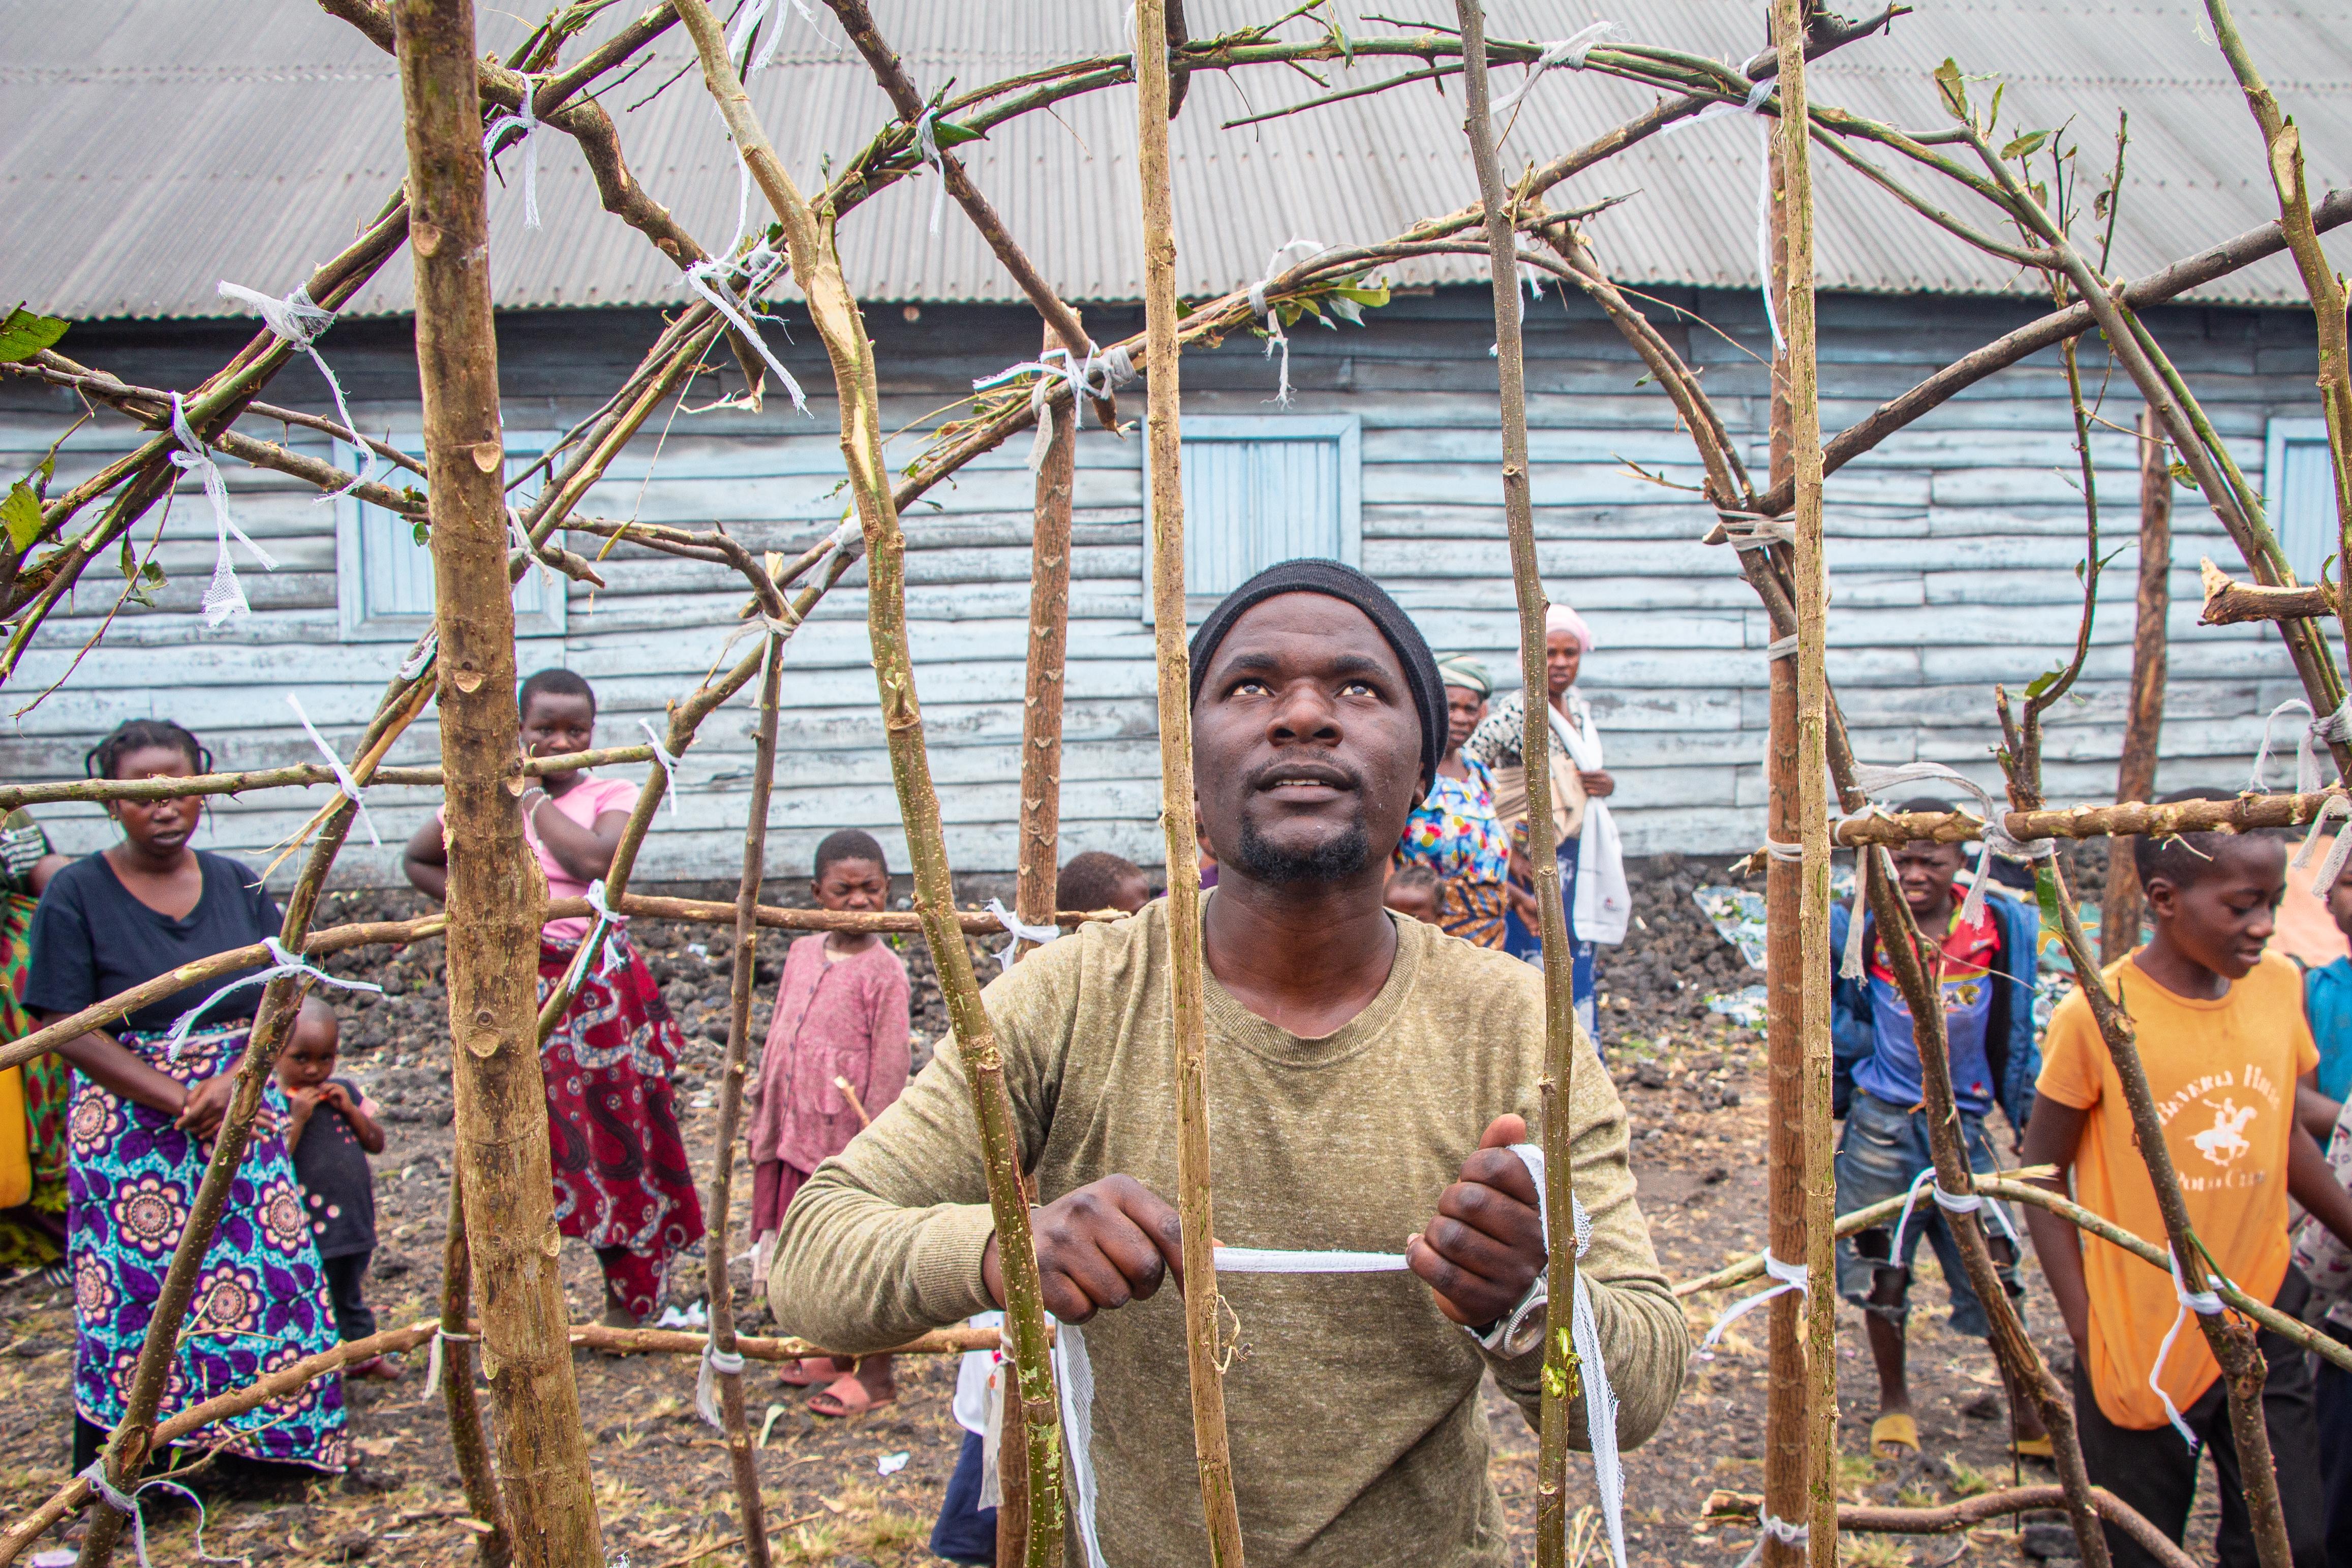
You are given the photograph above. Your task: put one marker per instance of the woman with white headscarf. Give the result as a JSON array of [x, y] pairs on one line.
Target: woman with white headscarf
[[1592, 857]]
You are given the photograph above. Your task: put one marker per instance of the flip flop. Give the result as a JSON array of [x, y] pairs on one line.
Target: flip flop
[[1895, 1430], [2034, 1448], [808, 1372], [849, 1399]]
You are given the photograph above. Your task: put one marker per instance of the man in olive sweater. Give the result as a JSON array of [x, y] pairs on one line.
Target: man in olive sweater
[[1366, 1078]]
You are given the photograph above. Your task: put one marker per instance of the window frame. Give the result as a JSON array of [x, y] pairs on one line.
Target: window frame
[[355, 623], [2277, 433], [1346, 428]]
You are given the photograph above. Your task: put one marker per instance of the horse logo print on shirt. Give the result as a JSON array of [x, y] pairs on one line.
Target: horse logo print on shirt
[[2224, 1142]]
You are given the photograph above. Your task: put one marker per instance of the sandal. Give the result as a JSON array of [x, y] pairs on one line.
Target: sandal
[[809, 1371], [1895, 1430], [849, 1397], [2033, 1448]]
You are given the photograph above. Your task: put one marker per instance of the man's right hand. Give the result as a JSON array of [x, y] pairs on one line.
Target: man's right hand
[[1108, 1243]]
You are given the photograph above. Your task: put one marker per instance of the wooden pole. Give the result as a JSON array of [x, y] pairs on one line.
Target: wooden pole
[[1049, 626], [808, 239], [468, 1444], [1186, 1003], [1562, 1379], [497, 897], [718, 1286], [1813, 955], [2120, 910]]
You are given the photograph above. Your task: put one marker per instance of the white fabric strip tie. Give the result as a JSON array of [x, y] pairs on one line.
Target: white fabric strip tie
[[706, 1393], [708, 279], [1041, 393], [1962, 1203], [525, 117], [609, 922], [1781, 647], [1772, 1527], [344, 779], [1791, 1277], [432, 1358], [1755, 530], [2306, 755], [1875, 780], [127, 1502], [2205, 1304], [1306, 249], [1779, 852], [1021, 932], [284, 962], [927, 140], [1753, 105], [420, 656], [1569, 51], [766, 625], [299, 322], [225, 599], [1853, 964], [1074, 1374], [2333, 866], [669, 764], [848, 538]]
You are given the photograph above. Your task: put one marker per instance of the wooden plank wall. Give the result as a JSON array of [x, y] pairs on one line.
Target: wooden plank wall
[[1953, 556]]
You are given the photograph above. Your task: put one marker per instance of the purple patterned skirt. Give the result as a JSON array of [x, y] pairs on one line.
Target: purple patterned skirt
[[261, 1299]]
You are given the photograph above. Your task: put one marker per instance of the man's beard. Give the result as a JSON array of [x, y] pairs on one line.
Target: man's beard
[[1334, 860]]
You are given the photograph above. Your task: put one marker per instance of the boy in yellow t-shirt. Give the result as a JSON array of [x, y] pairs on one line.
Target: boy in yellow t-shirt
[[2222, 1037]]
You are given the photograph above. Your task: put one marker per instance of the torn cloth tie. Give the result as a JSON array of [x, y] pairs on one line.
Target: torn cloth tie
[[344, 779], [1306, 250], [1770, 1527], [1950, 1203], [518, 539], [1755, 530], [848, 538], [1791, 1277], [609, 922], [2205, 1304], [926, 138], [2306, 754], [1041, 393], [525, 117], [1995, 837], [284, 963], [433, 1357], [127, 1502], [225, 598], [726, 1364], [1758, 93], [1021, 932], [708, 279], [1569, 51], [669, 764], [2333, 866], [300, 323]]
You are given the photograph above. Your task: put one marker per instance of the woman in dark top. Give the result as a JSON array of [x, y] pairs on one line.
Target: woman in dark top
[[144, 1112]]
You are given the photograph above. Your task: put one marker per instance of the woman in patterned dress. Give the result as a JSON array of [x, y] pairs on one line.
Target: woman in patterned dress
[[144, 1112], [623, 1183], [33, 1161], [1455, 831]]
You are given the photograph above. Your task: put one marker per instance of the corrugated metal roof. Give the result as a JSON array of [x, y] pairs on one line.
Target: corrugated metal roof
[[150, 147]]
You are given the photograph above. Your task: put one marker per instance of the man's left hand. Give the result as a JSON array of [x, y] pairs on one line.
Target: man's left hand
[[1486, 1245]]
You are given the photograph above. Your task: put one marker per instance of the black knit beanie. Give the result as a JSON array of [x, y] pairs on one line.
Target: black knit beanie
[[1345, 582]]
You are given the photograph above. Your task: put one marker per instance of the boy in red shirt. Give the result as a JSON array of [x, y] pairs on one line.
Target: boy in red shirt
[[2222, 1037]]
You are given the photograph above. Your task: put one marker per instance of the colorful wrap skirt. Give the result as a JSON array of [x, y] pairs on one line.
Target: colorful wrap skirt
[[261, 1299], [28, 1232], [623, 1182]]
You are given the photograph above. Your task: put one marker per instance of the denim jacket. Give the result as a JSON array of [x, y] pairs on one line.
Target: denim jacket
[[2011, 1049]]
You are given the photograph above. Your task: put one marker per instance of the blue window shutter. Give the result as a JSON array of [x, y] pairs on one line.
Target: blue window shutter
[[384, 576], [1263, 490], [2299, 491]]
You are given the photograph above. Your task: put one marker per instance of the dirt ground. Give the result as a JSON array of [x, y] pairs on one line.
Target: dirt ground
[[1694, 1087]]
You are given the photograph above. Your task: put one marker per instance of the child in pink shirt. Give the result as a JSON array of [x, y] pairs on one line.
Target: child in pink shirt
[[842, 1017], [623, 1182]]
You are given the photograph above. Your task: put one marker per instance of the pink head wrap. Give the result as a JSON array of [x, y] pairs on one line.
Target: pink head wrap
[[1560, 618]]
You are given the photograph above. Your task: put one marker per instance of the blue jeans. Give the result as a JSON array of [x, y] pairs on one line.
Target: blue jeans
[[1521, 941], [1882, 1152], [966, 1532]]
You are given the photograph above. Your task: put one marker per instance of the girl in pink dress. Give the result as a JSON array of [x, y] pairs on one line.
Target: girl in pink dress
[[623, 1183], [840, 1019]]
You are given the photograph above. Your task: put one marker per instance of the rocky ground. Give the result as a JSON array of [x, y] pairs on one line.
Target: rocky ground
[[1694, 1085]]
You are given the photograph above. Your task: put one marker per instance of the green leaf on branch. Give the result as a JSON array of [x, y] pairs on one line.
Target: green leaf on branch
[[947, 133], [2181, 476], [2025, 146], [152, 573], [22, 514], [2043, 682], [1952, 90], [27, 332]]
